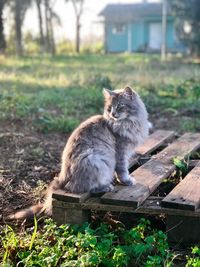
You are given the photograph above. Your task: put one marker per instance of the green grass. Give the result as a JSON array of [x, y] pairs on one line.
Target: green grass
[[55, 94]]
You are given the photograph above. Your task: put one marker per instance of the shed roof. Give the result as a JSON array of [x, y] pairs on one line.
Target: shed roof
[[131, 11]]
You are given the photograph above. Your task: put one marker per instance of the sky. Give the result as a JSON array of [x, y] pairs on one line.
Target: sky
[[91, 25]]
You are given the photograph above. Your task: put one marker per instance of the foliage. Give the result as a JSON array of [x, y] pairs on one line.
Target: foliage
[[83, 246], [181, 167], [72, 245], [194, 259], [187, 13]]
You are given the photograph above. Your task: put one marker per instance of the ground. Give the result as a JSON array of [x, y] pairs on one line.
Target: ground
[[43, 99]]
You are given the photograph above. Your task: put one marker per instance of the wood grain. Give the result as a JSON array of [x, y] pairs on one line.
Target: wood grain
[[186, 195], [152, 206], [70, 197], [152, 173], [156, 140]]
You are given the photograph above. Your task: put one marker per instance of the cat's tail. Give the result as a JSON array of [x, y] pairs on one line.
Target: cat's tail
[[28, 213], [40, 209]]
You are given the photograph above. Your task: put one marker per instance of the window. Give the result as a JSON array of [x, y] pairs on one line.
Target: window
[[118, 28]]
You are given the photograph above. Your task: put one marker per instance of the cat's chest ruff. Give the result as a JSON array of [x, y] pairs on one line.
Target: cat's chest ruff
[[128, 129]]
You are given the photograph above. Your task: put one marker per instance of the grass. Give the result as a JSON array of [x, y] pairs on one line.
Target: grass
[[55, 94]]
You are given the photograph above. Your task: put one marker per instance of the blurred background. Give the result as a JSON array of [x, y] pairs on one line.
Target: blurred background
[[57, 55], [67, 26]]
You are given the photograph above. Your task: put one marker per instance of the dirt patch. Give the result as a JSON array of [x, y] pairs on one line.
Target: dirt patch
[[28, 160]]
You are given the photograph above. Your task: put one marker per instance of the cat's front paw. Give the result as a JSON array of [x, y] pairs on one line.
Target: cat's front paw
[[130, 181], [102, 189], [110, 188]]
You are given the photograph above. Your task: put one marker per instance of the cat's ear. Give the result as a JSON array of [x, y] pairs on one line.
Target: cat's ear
[[107, 93], [129, 93]]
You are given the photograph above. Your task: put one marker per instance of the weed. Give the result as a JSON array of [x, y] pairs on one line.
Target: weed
[[83, 246], [72, 245], [181, 167], [193, 260]]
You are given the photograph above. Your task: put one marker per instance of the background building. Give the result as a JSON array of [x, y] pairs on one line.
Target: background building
[[138, 28]]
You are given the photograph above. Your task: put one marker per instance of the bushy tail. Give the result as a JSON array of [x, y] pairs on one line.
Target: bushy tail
[[39, 209], [27, 213]]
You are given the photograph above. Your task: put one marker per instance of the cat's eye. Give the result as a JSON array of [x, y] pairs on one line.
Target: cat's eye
[[120, 106], [109, 108]]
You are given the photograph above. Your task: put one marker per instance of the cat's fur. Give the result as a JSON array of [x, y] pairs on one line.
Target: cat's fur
[[99, 147]]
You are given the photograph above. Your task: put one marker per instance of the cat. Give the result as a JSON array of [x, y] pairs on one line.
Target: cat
[[100, 147]]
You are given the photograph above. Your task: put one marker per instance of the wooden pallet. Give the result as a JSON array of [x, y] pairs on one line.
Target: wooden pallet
[[155, 160]]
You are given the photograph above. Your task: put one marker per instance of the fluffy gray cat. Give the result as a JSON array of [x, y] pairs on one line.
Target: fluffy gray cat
[[99, 147]]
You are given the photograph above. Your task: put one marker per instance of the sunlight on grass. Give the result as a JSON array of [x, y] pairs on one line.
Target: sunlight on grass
[[54, 90]]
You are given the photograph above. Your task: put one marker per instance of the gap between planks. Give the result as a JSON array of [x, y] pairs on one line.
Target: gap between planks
[[156, 140], [151, 174], [186, 195]]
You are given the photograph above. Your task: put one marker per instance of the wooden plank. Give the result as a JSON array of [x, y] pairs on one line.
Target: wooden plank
[[154, 141], [186, 195], [152, 206], [68, 215], [124, 195], [152, 173], [70, 197]]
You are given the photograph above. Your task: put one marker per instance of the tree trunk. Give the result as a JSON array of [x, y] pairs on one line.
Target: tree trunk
[[40, 23], [47, 37], [2, 37], [52, 40], [78, 9], [78, 34], [18, 28]]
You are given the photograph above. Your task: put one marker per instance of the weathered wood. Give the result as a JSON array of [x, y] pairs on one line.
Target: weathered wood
[[69, 215], [125, 195], [156, 140], [152, 173], [151, 206], [70, 197], [183, 230], [186, 195]]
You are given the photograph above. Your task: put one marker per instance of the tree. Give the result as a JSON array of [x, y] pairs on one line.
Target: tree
[[2, 37], [50, 18], [19, 8], [187, 13], [47, 37], [78, 10], [18, 27], [40, 23]]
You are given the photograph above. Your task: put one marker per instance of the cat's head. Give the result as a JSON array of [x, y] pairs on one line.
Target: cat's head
[[120, 104]]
